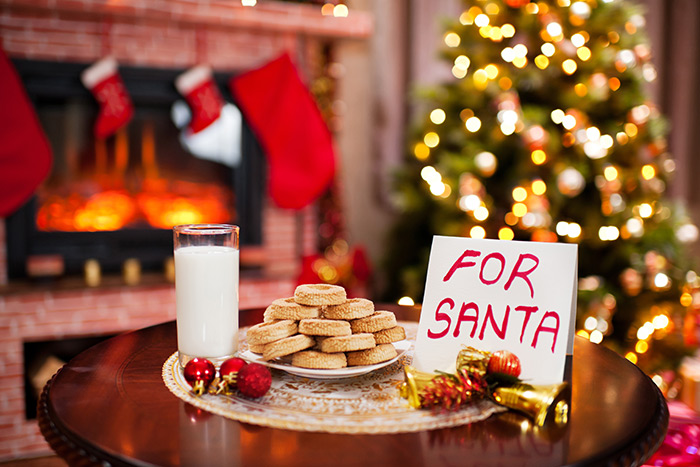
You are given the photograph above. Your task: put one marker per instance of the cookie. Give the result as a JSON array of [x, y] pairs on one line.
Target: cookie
[[324, 327], [256, 348], [376, 322], [287, 308], [347, 343], [387, 336], [270, 331], [319, 294], [287, 346], [352, 309], [378, 354], [319, 360]]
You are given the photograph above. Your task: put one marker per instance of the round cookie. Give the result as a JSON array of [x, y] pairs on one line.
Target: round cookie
[[270, 331], [324, 327], [287, 308], [354, 308], [319, 294], [376, 322], [319, 360], [348, 343], [387, 336], [287, 346], [378, 354]]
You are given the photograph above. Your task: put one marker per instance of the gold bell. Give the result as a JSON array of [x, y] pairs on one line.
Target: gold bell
[[414, 382], [542, 403]]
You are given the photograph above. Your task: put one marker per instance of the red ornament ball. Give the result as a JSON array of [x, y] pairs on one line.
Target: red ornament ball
[[503, 361], [199, 372], [254, 380], [231, 366]]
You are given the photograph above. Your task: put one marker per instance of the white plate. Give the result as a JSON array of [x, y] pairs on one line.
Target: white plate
[[401, 348]]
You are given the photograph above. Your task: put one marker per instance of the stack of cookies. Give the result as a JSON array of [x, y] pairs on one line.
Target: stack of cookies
[[321, 328]]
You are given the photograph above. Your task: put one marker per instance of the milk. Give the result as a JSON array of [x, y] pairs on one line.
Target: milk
[[206, 287]]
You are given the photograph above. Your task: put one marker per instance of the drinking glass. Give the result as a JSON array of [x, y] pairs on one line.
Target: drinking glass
[[206, 291]]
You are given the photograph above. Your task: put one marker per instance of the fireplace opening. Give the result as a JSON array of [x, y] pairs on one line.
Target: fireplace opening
[[118, 198]]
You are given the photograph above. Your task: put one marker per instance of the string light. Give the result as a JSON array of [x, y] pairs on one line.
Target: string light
[[437, 116], [477, 232], [452, 39], [506, 233], [340, 11]]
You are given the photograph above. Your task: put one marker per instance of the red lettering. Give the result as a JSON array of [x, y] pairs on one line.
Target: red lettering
[[463, 317], [528, 311], [554, 330], [462, 263], [497, 256], [440, 316], [523, 274], [489, 317]]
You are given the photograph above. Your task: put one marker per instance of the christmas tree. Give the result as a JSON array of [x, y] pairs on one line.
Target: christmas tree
[[547, 133]]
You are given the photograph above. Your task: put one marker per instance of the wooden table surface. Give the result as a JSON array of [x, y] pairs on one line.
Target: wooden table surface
[[109, 405]]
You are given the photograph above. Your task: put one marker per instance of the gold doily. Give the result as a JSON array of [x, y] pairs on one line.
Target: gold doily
[[363, 404]]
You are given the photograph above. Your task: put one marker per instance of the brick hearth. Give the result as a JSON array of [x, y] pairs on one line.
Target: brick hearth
[[153, 33]]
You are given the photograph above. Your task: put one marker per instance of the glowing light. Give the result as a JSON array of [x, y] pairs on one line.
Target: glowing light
[[632, 357], [581, 9], [635, 227], [431, 139], [554, 29], [481, 213], [462, 61], [340, 11], [438, 189], [557, 116], [645, 332], [473, 124], [581, 89], [661, 280], [469, 202], [421, 151], [568, 122], [506, 233], [614, 84], [519, 193], [480, 78], [430, 175], [541, 62], [606, 141], [508, 30], [582, 333], [660, 321], [548, 49], [486, 162], [520, 50], [596, 337], [327, 9], [538, 157], [641, 347], [491, 71], [459, 72], [520, 62], [437, 116], [406, 301], [608, 233], [686, 299], [507, 128], [610, 173], [590, 324], [249, 2], [631, 129], [645, 210], [507, 54], [578, 40], [539, 187], [569, 66], [477, 232], [568, 229], [584, 53], [648, 172], [452, 39], [481, 20], [519, 209]]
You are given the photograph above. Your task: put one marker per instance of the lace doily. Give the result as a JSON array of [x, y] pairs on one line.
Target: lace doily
[[363, 404]]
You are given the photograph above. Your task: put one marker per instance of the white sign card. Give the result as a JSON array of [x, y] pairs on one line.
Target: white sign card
[[499, 295]]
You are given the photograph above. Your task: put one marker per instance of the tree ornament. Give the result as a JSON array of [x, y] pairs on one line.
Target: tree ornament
[[451, 391], [254, 380], [503, 361], [199, 373], [228, 373]]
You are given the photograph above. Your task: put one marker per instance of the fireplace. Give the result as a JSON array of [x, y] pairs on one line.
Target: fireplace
[[117, 199]]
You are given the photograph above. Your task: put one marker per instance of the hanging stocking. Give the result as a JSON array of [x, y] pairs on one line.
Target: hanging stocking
[[289, 126], [199, 90], [103, 80], [25, 154]]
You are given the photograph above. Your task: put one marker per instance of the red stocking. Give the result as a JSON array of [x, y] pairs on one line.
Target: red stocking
[[202, 95], [289, 126], [25, 155], [103, 80]]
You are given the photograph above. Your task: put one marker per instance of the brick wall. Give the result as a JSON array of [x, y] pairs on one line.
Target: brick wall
[[167, 33]]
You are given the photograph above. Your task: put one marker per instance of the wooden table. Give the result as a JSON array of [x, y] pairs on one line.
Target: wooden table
[[109, 405]]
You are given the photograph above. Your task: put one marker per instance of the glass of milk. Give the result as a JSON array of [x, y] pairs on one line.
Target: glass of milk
[[206, 291]]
